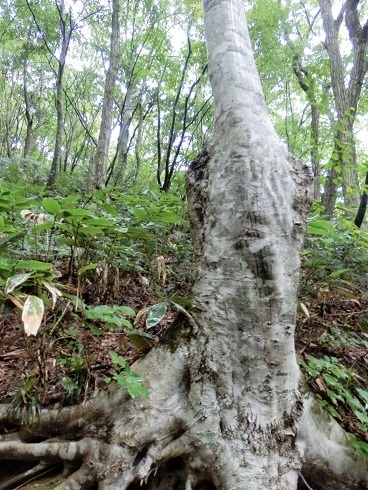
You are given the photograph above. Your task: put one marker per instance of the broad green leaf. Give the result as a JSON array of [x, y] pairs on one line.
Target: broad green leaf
[[116, 359], [51, 205], [77, 212], [135, 232], [2, 223], [70, 199], [140, 214], [89, 231], [110, 209], [100, 195], [183, 310], [44, 226], [184, 302], [156, 314], [7, 264], [35, 265], [166, 217], [15, 281], [127, 310], [32, 314], [99, 222], [321, 227], [67, 241], [95, 330], [132, 382], [338, 272], [87, 267], [361, 416], [12, 238], [364, 395]]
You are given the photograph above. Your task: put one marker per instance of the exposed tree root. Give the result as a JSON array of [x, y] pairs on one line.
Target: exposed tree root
[[37, 471], [329, 459], [184, 437]]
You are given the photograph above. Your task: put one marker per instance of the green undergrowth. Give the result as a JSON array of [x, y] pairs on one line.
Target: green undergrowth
[[64, 257], [333, 322], [108, 270]]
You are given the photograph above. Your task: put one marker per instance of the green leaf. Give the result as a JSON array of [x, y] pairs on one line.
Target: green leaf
[[15, 281], [110, 209], [363, 395], [117, 360], [127, 310], [99, 222], [70, 199], [135, 232], [44, 226], [321, 227], [87, 267], [35, 265], [339, 272], [12, 238], [166, 217], [95, 330], [156, 314], [76, 212], [7, 264], [100, 195], [184, 302], [51, 205], [140, 214], [183, 310], [67, 241], [361, 416], [132, 382]]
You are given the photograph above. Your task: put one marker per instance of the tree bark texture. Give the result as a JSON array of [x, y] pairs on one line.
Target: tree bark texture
[[307, 85], [66, 32], [346, 89], [99, 163], [224, 403]]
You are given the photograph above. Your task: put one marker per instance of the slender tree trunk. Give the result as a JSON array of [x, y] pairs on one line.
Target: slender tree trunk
[[137, 148], [99, 163], [346, 96], [123, 141], [28, 114], [307, 85], [66, 32], [362, 205]]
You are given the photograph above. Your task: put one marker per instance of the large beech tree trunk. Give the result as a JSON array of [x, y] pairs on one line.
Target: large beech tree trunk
[[224, 403]]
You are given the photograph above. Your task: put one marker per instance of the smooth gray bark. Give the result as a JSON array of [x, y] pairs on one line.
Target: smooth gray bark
[[99, 163], [66, 29], [346, 87]]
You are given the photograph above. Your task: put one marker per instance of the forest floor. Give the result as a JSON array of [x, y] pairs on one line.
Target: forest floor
[[68, 361]]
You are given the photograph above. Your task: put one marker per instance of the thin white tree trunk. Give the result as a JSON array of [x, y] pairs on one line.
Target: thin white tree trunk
[[99, 164]]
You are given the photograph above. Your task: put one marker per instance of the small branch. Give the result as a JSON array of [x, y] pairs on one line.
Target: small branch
[[26, 477], [305, 483]]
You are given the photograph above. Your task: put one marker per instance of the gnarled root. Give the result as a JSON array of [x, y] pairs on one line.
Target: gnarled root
[[330, 461], [186, 435]]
